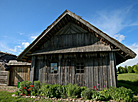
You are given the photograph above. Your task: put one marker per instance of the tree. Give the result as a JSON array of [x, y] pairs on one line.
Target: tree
[[130, 69], [135, 69]]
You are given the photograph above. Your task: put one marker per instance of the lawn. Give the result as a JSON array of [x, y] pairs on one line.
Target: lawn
[[7, 97], [128, 80]]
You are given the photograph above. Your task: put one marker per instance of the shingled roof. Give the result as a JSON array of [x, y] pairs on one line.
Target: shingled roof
[[123, 52]]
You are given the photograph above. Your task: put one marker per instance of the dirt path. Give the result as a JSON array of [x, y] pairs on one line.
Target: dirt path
[[8, 88]]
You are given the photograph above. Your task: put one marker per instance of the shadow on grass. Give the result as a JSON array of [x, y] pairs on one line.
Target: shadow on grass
[[129, 84]]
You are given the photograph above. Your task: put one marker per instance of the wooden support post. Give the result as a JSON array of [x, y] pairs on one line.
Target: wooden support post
[[32, 68], [112, 69]]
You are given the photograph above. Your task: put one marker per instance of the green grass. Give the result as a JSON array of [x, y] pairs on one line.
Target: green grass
[[128, 77], [7, 97], [128, 80]]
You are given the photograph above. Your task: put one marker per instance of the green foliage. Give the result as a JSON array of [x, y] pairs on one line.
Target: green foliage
[[51, 91], [86, 94], [130, 69], [36, 89], [17, 93], [120, 93], [97, 96], [24, 86], [125, 69], [122, 70], [74, 91], [135, 68]]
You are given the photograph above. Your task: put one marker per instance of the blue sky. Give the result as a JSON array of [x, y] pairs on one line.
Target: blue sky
[[21, 21]]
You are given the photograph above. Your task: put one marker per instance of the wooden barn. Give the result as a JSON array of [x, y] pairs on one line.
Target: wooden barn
[[71, 50]]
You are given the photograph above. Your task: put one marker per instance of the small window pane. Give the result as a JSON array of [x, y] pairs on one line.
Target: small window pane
[[53, 67], [80, 68]]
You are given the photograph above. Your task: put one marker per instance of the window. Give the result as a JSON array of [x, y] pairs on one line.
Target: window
[[53, 67], [80, 68]]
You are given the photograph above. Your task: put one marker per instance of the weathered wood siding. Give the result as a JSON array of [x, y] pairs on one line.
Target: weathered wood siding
[[99, 68], [63, 39], [4, 77], [19, 73]]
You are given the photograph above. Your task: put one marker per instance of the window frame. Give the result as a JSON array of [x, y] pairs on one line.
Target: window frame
[[80, 65], [51, 68]]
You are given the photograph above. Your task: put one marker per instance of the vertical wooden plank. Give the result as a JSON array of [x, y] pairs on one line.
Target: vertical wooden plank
[[32, 68], [46, 69], [100, 73], [104, 72], [61, 72], [108, 68], [86, 74], [59, 68], [28, 73], [66, 72], [113, 69], [89, 72], [96, 72], [73, 71]]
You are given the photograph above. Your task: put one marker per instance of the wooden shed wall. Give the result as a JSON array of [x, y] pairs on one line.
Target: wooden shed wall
[[19, 73], [99, 69], [4, 75]]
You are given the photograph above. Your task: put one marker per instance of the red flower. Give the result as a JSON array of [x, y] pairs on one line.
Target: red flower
[[29, 89], [28, 95], [24, 88], [31, 85], [19, 89], [96, 88], [93, 87]]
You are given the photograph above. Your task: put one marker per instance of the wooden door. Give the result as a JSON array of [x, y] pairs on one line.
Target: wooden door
[[19, 74]]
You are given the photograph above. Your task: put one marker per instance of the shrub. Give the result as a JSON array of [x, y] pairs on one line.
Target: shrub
[[35, 89], [74, 91], [87, 94], [97, 96], [52, 90], [120, 93], [25, 87]]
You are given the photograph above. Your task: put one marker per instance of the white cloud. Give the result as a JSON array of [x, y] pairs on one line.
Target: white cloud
[[112, 22], [25, 44], [119, 37], [33, 37], [15, 49]]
